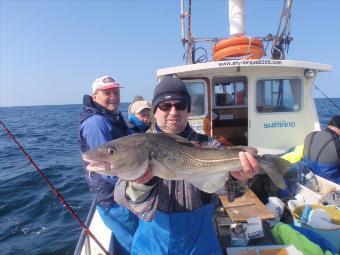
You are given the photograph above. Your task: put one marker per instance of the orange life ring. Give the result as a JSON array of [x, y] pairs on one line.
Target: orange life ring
[[250, 51], [241, 40]]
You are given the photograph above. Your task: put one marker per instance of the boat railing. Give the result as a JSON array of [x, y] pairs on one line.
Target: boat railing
[[84, 240]]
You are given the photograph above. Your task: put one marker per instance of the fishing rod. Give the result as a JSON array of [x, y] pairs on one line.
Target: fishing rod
[[329, 100], [55, 191]]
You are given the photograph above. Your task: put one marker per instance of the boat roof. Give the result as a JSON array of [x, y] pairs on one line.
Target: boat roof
[[213, 66]]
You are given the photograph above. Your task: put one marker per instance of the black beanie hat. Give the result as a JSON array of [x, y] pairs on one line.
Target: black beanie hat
[[170, 88], [335, 121]]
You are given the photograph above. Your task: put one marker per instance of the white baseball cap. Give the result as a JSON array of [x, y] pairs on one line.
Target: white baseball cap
[[138, 106], [105, 82]]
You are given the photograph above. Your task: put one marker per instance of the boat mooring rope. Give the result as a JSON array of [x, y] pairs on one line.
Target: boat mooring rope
[[55, 191], [329, 100]]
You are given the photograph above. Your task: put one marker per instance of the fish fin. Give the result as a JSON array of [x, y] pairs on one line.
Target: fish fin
[[275, 167], [208, 182], [251, 150], [177, 139], [135, 173], [160, 170]]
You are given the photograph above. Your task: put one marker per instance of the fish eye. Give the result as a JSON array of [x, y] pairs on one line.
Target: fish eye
[[111, 150]]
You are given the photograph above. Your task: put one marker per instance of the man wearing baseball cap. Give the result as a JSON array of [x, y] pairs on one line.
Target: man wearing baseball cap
[[322, 151], [101, 121], [140, 117]]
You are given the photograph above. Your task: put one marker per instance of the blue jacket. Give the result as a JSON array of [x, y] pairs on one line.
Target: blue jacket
[[322, 154], [136, 126], [98, 126]]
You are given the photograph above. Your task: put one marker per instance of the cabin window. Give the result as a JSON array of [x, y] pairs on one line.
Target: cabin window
[[278, 95], [196, 90], [231, 93]]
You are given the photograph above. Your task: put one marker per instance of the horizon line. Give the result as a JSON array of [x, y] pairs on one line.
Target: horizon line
[[6, 106]]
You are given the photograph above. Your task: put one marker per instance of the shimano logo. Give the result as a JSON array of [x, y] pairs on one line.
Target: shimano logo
[[279, 124]]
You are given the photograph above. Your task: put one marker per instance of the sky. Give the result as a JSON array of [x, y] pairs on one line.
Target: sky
[[52, 51]]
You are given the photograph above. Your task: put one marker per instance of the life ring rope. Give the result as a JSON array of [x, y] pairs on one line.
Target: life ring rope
[[238, 47]]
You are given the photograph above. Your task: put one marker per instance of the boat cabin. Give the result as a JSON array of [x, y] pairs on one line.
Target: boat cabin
[[267, 104]]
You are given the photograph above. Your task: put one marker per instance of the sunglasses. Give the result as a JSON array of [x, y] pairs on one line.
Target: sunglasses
[[179, 106]]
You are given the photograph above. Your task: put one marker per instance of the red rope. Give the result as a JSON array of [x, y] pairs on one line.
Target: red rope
[[55, 191]]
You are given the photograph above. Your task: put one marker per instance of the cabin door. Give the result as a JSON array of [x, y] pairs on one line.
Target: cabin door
[[230, 110]]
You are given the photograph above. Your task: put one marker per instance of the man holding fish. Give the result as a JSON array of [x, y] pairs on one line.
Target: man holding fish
[[175, 216]]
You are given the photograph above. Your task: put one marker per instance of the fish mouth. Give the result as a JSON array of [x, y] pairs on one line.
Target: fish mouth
[[95, 165]]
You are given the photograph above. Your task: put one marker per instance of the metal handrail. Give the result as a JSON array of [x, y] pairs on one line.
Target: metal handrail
[[83, 237]]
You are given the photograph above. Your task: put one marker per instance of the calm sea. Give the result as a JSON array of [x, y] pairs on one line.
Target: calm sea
[[32, 220]]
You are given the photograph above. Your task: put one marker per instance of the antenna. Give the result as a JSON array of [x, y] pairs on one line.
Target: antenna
[[189, 41], [187, 38], [282, 39]]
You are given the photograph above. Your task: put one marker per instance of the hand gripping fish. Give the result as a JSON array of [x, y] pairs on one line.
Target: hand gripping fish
[[175, 158]]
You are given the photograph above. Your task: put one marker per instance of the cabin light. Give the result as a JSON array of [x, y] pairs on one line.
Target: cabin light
[[309, 74]]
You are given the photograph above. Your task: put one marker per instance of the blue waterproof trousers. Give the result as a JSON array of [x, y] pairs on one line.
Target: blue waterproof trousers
[[184, 233], [123, 225]]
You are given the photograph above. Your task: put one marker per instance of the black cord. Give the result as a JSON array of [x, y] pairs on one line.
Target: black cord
[[329, 100], [203, 58]]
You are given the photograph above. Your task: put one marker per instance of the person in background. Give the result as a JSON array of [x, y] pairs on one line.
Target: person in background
[[135, 99], [101, 121], [176, 217], [140, 117], [321, 153]]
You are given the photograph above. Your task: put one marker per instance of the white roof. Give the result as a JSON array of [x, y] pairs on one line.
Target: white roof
[[258, 63]]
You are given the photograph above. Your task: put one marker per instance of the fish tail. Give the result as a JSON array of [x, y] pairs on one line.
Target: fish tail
[[275, 167]]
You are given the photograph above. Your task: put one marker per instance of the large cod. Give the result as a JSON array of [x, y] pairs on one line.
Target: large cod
[[173, 157]]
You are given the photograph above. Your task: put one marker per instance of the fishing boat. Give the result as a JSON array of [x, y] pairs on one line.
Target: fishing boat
[[246, 100], [239, 96]]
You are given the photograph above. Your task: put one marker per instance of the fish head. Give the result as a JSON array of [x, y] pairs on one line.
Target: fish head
[[126, 157]]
